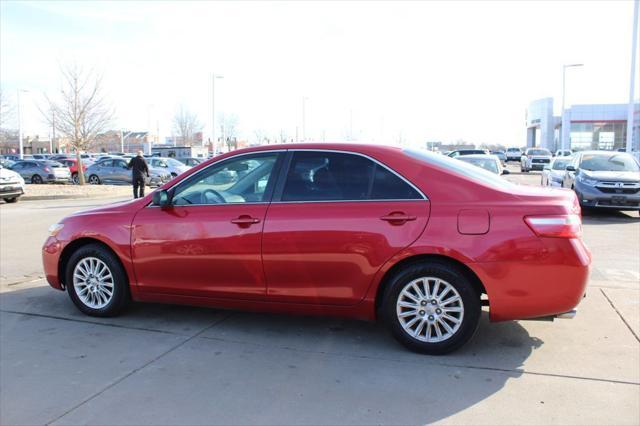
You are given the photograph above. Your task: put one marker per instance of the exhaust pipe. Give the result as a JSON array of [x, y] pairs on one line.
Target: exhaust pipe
[[565, 315]]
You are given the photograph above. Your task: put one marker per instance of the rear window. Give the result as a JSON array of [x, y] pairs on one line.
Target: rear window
[[461, 168]]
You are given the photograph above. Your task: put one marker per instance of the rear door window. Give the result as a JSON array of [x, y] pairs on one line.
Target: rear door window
[[331, 176]]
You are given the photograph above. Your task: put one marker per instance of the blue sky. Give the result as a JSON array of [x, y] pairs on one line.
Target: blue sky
[[414, 71]]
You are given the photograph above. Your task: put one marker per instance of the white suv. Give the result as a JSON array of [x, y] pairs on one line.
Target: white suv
[[535, 159], [513, 154]]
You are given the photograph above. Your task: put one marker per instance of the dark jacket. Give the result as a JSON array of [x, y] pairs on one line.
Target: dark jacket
[[139, 167]]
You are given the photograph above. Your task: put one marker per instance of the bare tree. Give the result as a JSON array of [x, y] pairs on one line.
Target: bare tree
[[186, 125], [6, 116], [229, 129], [80, 112]]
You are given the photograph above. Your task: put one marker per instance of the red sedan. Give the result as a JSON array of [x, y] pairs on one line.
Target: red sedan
[[72, 164], [418, 240]]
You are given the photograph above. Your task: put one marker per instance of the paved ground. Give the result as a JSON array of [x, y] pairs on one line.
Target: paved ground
[[179, 365]]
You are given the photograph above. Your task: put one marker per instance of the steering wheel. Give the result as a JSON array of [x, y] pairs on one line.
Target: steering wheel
[[209, 195]]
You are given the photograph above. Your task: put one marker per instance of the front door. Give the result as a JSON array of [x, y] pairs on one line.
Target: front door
[[208, 241], [335, 220]]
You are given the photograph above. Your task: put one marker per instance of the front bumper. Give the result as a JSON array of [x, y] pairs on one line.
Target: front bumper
[[51, 251], [590, 196], [11, 190]]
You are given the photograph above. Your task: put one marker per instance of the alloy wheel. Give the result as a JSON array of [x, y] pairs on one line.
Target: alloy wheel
[[430, 309], [93, 282]]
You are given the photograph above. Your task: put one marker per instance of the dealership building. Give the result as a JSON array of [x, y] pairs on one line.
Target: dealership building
[[582, 126]]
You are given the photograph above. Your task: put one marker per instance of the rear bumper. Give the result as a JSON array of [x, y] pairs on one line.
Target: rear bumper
[[549, 286]]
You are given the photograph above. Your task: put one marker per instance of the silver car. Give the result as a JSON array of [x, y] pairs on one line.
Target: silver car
[[171, 165], [489, 162], [48, 171], [553, 174], [116, 171]]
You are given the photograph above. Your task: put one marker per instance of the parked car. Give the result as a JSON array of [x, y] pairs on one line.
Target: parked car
[[513, 154], [501, 155], [553, 174], [72, 164], [40, 156], [605, 179], [535, 159], [115, 171], [459, 152], [190, 161], [11, 185], [490, 163], [171, 165], [11, 157], [563, 153], [6, 163], [48, 171], [354, 230]]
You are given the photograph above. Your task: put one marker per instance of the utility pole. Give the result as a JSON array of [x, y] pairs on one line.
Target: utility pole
[[565, 131], [53, 131], [20, 128], [304, 119], [632, 82], [213, 113]]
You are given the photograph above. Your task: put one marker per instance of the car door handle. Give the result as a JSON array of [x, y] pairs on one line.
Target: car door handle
[[245, 220], [398, 218]]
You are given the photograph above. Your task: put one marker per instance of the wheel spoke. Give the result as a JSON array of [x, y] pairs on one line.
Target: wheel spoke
[[445, 325], [420, 327], [408, 313], [452, 319], [436, 287], [408, 295], [450, 300]]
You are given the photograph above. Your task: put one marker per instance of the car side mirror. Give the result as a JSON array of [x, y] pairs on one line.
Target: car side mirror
[[505, 172], [161, 198], [570, 169]]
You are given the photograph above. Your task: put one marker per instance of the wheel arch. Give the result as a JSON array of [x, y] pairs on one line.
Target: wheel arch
[[76, 244], [424, 258]]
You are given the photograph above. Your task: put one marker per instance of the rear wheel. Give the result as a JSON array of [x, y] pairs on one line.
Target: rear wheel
[[36, 179], [431, 308], [11, 200], [74, 178], [96, 282]]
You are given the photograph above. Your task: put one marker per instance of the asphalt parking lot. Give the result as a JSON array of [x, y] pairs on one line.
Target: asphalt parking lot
[[180, 365]]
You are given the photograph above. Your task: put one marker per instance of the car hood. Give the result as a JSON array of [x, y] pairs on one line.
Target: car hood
[[609, 175], [6, 174], [118, 207]]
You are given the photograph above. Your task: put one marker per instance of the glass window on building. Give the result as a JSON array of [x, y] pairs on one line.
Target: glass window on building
[[604, 135]]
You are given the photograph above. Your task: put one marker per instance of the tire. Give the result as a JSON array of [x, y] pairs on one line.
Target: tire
[[89, 262], [94, 180], [75, 179], [36, 179], [429, 316], [11, 200]]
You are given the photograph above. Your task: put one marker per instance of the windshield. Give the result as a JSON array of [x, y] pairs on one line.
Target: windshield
[[613, 162], [539, 152], [461, 168], [173, 162], [561, 163], [485, 163]]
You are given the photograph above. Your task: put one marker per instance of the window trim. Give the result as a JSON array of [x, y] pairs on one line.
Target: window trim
[[270, 191], [277, 194]]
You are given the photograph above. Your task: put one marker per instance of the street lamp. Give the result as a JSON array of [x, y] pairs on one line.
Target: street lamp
[[564, 72], [213, 112], [20, 124]]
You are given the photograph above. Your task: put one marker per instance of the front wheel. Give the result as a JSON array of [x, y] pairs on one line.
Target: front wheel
[[94, 180], [431, 308], [96, 282], [11, 200]]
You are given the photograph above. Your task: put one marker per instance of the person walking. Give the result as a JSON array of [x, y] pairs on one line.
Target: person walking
[[140, 170]]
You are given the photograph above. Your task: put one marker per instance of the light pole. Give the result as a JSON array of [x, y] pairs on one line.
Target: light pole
[[564, 78], [304, 118], [632, 82], [213, 113], [21, 144]]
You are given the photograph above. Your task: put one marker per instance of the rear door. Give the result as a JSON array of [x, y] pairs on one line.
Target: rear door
[[336, 218]]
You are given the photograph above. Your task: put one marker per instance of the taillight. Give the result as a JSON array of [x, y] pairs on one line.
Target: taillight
[[47, 169], [560, 226]]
